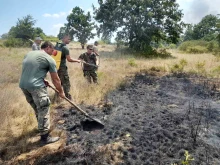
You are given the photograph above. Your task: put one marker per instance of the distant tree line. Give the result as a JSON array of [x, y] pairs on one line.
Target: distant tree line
[[24, 31], [140, 25], [202, 37]]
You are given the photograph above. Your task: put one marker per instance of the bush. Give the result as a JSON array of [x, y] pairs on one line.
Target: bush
[[200, 66], [199, 46], [216, 51], [178, 68], [131, 62], [197, 50], [172, 46], [190, 44], [212, 45], [156, 53], [16, 42], [216, 70]]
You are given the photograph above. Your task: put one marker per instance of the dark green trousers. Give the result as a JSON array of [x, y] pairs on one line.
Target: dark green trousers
[[90, 75], [65, 82]]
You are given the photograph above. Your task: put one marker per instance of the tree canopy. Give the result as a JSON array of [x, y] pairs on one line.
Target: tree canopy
[[140, 23], [25, 29], [79, 26], [205, 29]]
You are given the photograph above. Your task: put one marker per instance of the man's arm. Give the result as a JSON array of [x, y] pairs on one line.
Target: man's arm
[[57, 83], [66, 52], [71, 60]]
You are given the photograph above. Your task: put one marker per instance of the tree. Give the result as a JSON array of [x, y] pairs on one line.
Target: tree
[[140, 23], [63, 31], [188, 35], [218, 30], [24, 28], [39, 32], [206, 28], [4, 36], [80, 25]]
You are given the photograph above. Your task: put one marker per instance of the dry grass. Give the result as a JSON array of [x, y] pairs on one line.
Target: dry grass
[[18, 123]]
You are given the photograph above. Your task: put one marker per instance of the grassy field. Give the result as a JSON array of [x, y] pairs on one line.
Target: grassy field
[[17, 118]]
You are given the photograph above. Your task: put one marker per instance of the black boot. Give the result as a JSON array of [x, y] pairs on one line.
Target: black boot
[[46, 139]]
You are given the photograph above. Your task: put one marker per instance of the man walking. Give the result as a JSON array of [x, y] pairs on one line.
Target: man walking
[[63, 70], [35, 66]]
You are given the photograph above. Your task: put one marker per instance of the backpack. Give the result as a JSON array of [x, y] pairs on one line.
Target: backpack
[[57, 54]]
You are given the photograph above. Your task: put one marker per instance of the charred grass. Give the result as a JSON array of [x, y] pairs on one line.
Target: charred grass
[[18, 124]]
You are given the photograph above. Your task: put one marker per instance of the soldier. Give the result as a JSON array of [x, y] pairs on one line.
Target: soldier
[[36, 44], [35, 66], [89, 70], [63, 70], [95, 48]]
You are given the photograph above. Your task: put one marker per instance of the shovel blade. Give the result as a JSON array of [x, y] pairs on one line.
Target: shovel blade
[[92, 125]]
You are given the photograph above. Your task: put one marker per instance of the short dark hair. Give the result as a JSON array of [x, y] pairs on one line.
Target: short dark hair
[[96, 42], [66, 35], [47, 44], [89, 47]]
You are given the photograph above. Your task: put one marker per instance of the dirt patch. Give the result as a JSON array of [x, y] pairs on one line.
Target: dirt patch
[[151, 120]]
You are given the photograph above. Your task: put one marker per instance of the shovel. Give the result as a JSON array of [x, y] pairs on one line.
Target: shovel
[[96, 66], [97, 122]]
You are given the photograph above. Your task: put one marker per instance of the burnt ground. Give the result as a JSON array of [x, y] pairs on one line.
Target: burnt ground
[[148, 120]]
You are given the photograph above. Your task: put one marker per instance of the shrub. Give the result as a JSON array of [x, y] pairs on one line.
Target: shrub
[[216, 51], [216, 70], [16, 42], [178, 68], [197, 50], [191, 44], [157, 69], [156, 53], [212, 45], [131, 62], [172, 46], [200, 66]]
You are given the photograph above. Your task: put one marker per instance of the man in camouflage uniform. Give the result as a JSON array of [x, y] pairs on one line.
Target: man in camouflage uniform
[[89, 70], [35, 66], [95, 48], [96, 51], [36, 44], [63, 70]]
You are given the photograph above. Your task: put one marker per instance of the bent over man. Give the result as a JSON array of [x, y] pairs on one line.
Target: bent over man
[[35, 66]]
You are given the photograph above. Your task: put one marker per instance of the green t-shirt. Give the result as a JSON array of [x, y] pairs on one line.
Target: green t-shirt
[[35, 67], [65, 52]]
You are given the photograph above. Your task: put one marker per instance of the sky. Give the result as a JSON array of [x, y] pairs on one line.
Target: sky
[[50, 15]]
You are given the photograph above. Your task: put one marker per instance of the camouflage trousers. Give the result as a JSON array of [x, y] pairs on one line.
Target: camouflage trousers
[[40, 102], [90, 75], [65, 82]]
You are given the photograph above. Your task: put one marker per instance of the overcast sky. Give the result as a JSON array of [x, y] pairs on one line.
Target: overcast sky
[[51, 14], [195, 10]]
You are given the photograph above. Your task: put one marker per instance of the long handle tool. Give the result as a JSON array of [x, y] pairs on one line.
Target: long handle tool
[[79, 109], [96, 66]]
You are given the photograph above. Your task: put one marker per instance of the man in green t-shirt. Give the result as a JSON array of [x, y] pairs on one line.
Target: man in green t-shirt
[[35, 66], [63, 70], [89, 70]]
